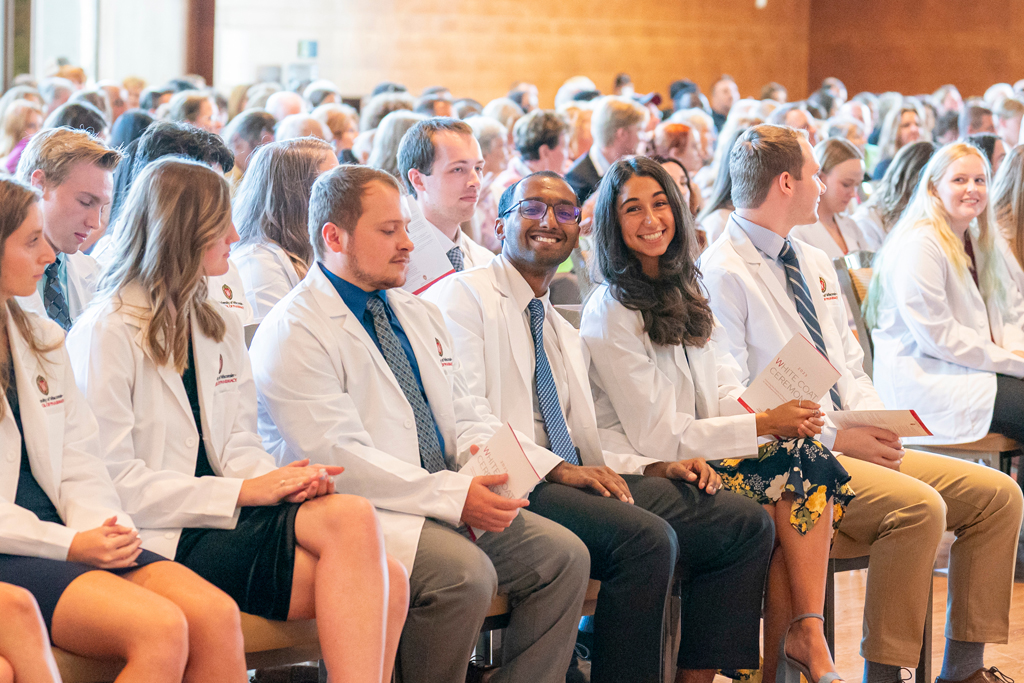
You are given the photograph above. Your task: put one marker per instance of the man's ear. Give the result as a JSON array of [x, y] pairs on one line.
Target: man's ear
[[38, 178], [416, 180], [499, 229], [335, 238], [786, 183]]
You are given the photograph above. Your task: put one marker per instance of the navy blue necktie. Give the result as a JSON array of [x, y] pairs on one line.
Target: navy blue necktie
[[547, 395], [54, 303], [455, 256], [431, 456], [805, 307]]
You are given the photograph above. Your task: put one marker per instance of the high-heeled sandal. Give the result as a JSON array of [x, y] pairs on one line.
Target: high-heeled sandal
[[789, 669]]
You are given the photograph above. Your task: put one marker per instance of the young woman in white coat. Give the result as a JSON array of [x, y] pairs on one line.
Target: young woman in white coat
[[176, 406], [662, 391], [947, 324], [1008, 207], [64, 535], [270, 210], [842, 171]]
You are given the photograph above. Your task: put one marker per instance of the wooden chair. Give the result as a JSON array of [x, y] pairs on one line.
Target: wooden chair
[[997, 450]]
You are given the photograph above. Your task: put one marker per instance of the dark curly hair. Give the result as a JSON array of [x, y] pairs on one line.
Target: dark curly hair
[[674, 309]]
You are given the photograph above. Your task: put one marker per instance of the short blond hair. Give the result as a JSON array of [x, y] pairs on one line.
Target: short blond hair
[[612, 114], [56, 150]]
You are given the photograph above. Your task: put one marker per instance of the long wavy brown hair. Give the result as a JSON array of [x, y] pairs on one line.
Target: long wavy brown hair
[[16, 199], [175, 211], [674, 309]]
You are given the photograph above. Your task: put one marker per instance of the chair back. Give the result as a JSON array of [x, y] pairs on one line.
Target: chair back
[[250, 332], [854, 272]]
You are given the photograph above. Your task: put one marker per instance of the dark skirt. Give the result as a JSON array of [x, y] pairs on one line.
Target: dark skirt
[[252, 563], [47, 579]]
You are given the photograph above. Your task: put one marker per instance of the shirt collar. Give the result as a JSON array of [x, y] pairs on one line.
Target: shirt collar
[[443, 239], [354, 297], [600, 163], [767, 242], [522, 293]]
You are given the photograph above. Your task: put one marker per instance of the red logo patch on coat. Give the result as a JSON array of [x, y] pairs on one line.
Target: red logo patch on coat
[[227, 291], [44, 386], [440, 351], [822, 281]]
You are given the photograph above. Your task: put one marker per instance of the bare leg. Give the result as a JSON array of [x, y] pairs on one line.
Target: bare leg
[[216, 652], [104, 616], [806, 564], [24, 645], [341, 577], [778, 610], [398, 608], [695, 675]]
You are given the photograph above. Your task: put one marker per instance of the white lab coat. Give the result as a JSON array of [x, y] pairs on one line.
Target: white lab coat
[[869, 220], [62, 444], [267, 275], [665, 402], [934, 349], [148, 436], [83, 278], [817, 235], [713, 225], [759, 316], [226, 290], [326, 392], [1013, 267], [481, 315]]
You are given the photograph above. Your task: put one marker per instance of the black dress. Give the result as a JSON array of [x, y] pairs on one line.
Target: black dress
[[253, 562], [45, 579]]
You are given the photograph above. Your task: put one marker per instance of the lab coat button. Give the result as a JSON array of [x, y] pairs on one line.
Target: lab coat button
[[190, 442], [169, 534], [408, 424]]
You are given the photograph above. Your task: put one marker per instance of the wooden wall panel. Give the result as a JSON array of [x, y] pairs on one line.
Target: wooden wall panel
[[479, 47], [914, 46]]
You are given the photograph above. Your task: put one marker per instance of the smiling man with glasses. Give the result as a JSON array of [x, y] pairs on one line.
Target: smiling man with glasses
[[527, 361]]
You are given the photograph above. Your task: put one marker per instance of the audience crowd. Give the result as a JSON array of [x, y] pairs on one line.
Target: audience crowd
[[219, 397]]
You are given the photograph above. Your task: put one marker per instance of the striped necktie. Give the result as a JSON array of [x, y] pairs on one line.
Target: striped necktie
[[805, 307], [455, 256], [431, 456], [547, 395], [54, 303]]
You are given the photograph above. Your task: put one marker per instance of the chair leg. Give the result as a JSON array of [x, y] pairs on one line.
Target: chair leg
[[830, 608], [923, 673]]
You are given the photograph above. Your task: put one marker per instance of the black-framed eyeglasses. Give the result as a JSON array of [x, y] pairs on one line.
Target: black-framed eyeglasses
[[535, 210]]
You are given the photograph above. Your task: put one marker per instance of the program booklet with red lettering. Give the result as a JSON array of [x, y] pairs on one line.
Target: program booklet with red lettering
[[799, 371], [503, 454]]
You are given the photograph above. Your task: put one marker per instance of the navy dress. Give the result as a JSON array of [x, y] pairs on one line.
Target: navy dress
[[46, 579], [253, 562]]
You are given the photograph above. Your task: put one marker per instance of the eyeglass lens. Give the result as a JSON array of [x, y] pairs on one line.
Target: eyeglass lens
[[536, 210]]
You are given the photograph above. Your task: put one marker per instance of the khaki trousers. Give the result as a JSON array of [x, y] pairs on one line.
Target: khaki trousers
[[899, 518]]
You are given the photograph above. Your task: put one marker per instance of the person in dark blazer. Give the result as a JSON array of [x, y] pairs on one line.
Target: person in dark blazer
[[616, 127]]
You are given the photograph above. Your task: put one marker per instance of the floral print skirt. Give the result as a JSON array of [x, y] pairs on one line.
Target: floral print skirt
[[801, 467]]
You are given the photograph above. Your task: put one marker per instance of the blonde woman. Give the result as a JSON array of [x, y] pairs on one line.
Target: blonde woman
[[901, 126], [1008, 207], [270, 211], [170, 377], [21, 121], [842, 170], [64, 534], [948, 329]]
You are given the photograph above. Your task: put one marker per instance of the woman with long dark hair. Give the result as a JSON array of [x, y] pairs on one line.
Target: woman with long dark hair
[[662, 390]]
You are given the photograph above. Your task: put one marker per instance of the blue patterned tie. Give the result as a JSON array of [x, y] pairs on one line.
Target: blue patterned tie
[[455, 256], [54, 303], [431, 456], [547, 395], [805, 307]]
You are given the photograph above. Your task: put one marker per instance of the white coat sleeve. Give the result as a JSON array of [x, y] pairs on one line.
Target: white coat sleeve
[[303, 390], [644, 398], [264, 280], [918, 285], [103, 358]]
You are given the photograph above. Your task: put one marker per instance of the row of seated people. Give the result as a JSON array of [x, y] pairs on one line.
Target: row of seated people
[[153, 437]]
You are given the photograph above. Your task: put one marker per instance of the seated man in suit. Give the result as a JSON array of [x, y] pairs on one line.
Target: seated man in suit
[[351, 367], [442, 167], [764, 289], [75, 172], [527, 362], [616, 126]]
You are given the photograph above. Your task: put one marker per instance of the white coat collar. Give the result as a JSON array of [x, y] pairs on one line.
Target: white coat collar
[[748, 252]]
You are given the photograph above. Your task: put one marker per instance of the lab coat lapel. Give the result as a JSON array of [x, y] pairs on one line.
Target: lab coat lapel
[[40, 400], [761, 270], [209, 365], [520, 340]]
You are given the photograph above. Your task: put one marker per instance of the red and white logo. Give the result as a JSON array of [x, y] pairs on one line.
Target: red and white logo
[[820, 279], [440, 351], [228, 293], [43, 385]]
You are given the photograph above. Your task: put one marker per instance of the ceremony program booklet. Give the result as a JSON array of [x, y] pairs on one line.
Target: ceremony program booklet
[[900, 422], [799, 371], [502, 454], [428, 261]]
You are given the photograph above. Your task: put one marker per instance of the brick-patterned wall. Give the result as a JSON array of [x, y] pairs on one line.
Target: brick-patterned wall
[[479, 47]]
